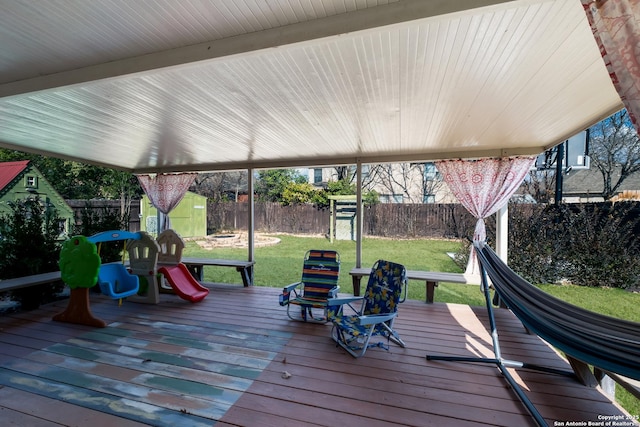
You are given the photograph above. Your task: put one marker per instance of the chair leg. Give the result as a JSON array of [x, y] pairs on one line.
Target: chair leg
[[306, 314], [394, 336], [355, 346], [340, 338]]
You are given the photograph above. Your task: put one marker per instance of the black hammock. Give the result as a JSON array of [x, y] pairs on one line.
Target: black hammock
[[608, 343]]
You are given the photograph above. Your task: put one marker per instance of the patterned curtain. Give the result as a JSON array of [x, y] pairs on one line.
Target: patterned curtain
[[483, 187], [616, 29], [165, 192]]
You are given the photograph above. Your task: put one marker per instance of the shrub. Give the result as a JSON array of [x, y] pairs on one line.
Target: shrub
[[30, 244], [587, 245], [602, 247], [90, 220], [535, 236]]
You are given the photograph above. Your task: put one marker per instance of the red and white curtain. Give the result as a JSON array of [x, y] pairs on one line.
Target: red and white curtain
[[165, 192], [616, 28], [484, 186]]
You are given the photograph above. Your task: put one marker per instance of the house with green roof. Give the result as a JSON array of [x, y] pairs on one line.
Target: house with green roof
[[22, 180]]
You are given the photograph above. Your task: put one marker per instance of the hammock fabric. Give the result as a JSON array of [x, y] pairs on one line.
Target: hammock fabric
[[605, 342]]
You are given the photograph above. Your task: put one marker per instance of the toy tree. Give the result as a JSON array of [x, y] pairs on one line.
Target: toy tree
[[79, 265]]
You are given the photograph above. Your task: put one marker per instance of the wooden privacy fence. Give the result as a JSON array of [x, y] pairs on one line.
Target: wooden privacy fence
[[385, 220]]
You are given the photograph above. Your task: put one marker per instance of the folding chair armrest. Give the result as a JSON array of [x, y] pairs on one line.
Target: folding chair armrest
[[291, 287], [343, 300], [372, 319], [286, 293], [333, 293]]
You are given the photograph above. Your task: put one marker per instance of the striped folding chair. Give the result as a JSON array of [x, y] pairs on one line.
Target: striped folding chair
[[319, 282]]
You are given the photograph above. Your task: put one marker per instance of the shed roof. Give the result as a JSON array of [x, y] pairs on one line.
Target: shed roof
[[204, 85]]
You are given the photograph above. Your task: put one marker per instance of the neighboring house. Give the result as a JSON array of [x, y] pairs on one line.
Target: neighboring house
[[395, 183], [22, 180], [585, 185]]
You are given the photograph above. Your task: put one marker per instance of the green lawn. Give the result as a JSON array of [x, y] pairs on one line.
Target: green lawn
[[281, 264]]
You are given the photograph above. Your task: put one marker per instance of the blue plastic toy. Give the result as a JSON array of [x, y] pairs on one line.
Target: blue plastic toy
[[115, 280]]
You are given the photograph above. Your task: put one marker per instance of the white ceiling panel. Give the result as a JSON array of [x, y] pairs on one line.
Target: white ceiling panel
[[168, 85]]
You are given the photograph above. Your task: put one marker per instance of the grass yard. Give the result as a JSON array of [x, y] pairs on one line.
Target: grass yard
[[281, 264]]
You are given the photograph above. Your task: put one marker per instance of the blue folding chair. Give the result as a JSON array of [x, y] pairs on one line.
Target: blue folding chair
[[378, 308]]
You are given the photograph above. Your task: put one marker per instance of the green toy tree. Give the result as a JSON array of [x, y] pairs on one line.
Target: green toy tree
[[79, 265]]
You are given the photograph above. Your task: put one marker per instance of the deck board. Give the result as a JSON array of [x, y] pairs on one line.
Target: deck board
[[222, 360]]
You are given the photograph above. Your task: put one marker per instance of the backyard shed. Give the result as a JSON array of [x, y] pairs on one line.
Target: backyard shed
[[188, 219]]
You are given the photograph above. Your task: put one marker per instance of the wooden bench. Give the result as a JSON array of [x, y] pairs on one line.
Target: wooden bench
[[26, 281], [34, 279], [196, 267], [431, 279]]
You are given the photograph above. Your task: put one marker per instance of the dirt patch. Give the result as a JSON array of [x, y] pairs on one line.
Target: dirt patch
[[234, 240]]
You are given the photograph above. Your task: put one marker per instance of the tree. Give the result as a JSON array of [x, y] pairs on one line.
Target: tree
[[298, 193], [220, 185], [406, 178], [345, 173], [540, 184], [75, 180], [124, 186], [270, 184], [614, 149]]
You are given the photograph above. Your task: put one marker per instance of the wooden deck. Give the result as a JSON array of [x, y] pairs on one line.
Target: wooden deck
[[222, 361]]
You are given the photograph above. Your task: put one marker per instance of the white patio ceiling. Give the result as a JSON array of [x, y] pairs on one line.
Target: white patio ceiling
[[200, 85]]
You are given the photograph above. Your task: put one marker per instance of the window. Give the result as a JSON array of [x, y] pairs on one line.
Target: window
[[430, 172], [429, 198], [62, 227], [32, 181], [391, 198], [365, 171], [317, 176]]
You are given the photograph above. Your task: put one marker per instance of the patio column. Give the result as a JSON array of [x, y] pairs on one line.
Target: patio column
[[250, 220], [358, 214]]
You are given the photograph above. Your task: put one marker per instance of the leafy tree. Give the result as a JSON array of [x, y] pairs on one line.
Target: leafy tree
[[271, 184], [298, 193], [90, 221], [614, 149], [75, 180], [124, 186], [342, 188]]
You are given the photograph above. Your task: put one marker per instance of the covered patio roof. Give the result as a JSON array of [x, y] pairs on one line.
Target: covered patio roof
[[205, 85]]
